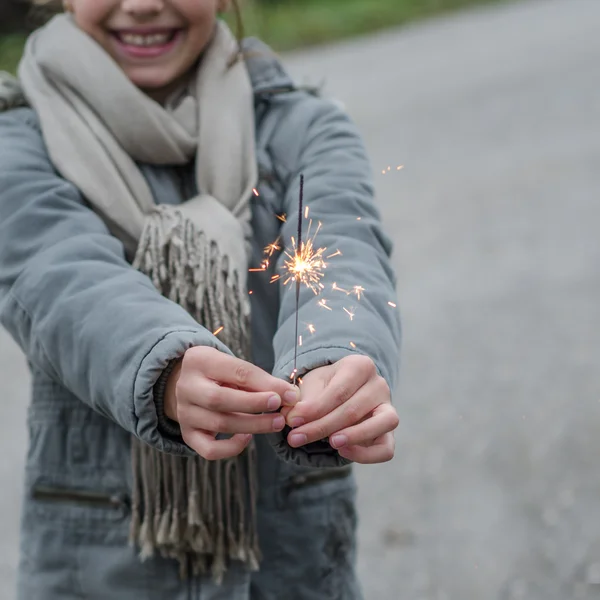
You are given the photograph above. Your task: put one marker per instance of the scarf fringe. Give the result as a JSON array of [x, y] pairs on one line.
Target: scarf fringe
[[201, 513]]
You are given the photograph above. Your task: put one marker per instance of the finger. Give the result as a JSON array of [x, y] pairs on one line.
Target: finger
[[218, 422], [352, 374], [381, 451], [211, 396], [384, 420], [342, 417], [206, 446], [235, 372]]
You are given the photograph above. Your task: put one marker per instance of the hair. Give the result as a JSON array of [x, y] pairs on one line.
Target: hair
[[44, 10]]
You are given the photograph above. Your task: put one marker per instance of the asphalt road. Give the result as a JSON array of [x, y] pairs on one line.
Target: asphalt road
[[495, 493]]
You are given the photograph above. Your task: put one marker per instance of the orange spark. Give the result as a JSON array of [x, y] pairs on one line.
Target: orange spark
[[353, 344], [255, 192], [311, 328], [323, 304], [306, 212], [273, 247], [336, 288], [282, 217], [299, 340], [305, 264], [349, 313], [336, 253], [218, 331], [358, 290]]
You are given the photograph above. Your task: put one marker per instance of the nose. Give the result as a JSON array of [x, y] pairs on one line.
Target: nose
[[142, 8]]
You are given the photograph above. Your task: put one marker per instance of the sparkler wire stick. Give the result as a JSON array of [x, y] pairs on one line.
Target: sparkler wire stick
[[299, 249]]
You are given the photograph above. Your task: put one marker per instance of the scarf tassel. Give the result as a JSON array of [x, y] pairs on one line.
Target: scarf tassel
[[201, 513]]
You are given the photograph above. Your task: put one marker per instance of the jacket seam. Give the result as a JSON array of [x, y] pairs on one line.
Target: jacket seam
[[33, 337]]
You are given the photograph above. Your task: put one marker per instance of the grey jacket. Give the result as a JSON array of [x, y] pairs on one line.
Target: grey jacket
[[98, 336]]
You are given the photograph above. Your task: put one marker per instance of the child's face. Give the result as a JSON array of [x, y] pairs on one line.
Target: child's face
[[155, 42]]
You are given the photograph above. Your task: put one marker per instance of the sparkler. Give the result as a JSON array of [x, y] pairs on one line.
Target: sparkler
[[298, 271], [304, 264]]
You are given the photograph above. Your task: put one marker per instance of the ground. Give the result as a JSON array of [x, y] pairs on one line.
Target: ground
[[494, 492]]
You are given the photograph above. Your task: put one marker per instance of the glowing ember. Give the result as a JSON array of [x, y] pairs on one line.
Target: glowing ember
[[357, 290], [323, 304], [218, 331], [255, 192], [353, 344], [336, 288], [282, 217], [305, 264], [272, 248]]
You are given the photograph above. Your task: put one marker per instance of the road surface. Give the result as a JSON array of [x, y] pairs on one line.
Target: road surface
[[495, 493]]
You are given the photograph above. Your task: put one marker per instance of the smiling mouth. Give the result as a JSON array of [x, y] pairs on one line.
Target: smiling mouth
[[146, 40]]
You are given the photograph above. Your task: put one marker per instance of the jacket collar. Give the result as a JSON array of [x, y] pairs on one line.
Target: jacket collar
[[265, 69]]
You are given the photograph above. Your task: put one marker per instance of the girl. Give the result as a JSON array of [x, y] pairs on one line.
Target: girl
[[152, 165]]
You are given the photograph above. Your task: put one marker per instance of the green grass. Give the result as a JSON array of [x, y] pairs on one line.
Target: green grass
[[290, 24], [11, 47], [293, 24]]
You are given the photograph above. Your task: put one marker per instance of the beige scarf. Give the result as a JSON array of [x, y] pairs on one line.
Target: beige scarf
[[96, 125]]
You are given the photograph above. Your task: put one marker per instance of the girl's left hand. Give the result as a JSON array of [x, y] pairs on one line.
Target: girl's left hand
[[349, 403]]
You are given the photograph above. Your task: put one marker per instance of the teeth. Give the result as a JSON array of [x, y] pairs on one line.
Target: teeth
[[156, 39]]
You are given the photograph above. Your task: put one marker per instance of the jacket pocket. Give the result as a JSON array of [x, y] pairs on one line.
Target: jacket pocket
[[304, 486], [302, 480], [82, 498]]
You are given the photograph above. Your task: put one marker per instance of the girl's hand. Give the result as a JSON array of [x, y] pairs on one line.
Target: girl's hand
[[349, 403], [210, 392]]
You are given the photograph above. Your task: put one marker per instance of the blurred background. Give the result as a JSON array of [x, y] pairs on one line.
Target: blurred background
[[492, 114]]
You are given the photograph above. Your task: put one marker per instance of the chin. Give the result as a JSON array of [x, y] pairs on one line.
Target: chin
[[152, 80]]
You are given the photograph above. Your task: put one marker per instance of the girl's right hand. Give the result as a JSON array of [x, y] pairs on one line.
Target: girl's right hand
[[210, 392]]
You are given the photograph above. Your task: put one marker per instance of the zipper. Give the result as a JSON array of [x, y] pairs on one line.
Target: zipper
[[95, 499], [314, 477]]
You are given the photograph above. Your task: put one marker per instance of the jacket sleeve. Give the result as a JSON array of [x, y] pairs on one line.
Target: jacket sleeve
[[338, 193], [70, 299]]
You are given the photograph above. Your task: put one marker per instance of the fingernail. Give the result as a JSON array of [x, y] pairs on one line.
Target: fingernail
[[278, 423], [291, 397], [297, 422], [274, 402], [337, 441], [297, 439]]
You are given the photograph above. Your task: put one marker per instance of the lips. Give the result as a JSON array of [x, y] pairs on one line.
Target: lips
[[146, 43]]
